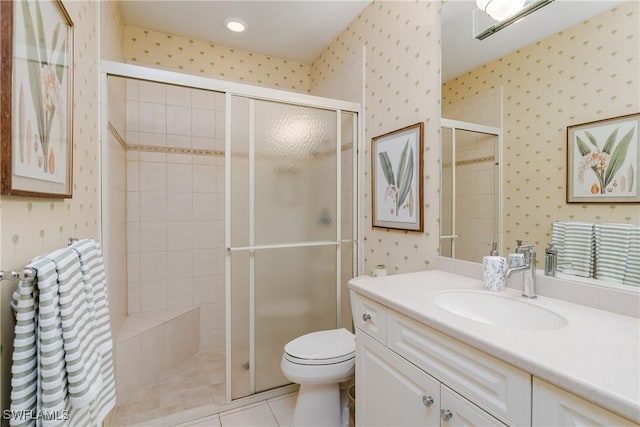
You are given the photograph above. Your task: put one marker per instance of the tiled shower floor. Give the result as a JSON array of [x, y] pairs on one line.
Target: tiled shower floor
[[199, 381]]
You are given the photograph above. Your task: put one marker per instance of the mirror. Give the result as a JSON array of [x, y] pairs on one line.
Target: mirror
[[570, 62]]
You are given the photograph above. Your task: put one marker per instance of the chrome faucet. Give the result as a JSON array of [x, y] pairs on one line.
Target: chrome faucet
[[528, 269]]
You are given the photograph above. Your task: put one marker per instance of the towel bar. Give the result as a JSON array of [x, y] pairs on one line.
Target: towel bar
[[27, 273]]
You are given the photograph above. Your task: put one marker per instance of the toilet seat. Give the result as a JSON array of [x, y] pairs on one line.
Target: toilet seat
[[321, 348], [331, 361]]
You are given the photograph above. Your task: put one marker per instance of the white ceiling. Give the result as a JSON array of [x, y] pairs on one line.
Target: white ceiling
[[294, 30], [299, 29]]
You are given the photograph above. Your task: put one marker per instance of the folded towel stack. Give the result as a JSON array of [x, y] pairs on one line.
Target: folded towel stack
[[632, 273], [575, 243], [612, 249]]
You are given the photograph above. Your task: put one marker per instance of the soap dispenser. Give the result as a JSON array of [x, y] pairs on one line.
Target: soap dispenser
[[494, 249], [494, 268], [550, 260]]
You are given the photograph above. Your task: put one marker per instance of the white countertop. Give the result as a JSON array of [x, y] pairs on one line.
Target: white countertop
[[596, 356]]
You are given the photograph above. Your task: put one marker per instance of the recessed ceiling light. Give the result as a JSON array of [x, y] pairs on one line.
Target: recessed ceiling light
[[236, 25]]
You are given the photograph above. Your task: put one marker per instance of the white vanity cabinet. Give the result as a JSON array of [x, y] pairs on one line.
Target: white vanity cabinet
[[553, 406], [391, 391], [486, 358], [413, 375]]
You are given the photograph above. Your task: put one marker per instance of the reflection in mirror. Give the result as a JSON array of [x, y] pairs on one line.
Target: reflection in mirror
[[606, 252], [469, 189], [532, 91]]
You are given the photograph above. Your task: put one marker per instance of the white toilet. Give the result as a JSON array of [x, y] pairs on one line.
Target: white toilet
[[319, 361]]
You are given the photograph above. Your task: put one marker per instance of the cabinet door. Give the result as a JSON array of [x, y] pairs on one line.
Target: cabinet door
[[458, 412], [553, 406], [391, 391]]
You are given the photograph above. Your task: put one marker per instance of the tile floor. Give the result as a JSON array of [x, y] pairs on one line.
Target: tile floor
[[270, 413], [198, 387], [198, 382]]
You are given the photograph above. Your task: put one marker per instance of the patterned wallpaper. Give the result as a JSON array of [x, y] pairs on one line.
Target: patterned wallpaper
[[160, 50], [588, 72], [402, 87], [112, 40], [32, 226]]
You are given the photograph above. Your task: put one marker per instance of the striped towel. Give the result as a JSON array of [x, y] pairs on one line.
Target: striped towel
[[62, 372], [95, 279], [24, 370], [632, 272], [618, 253], [78, 329], [575, 243], [38, 346]]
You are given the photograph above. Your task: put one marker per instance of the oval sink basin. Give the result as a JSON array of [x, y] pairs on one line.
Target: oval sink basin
[[499, 310]]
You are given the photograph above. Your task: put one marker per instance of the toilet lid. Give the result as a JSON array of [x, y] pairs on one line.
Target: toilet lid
[[321, 345]]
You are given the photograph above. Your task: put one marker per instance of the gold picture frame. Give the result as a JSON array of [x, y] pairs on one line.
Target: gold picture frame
[[36, 99], [396, 171]]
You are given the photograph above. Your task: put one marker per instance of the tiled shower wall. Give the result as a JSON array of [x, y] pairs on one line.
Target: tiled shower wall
[[175, 203]]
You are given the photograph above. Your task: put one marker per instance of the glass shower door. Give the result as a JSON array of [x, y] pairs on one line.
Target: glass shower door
[[286, 229], [469, 193]]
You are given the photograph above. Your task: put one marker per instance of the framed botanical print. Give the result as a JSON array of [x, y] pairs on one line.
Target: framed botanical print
[[396, 188], [36, 102], [603, 158]]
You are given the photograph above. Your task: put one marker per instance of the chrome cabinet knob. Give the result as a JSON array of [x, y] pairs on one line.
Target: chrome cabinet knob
[[427, 401], [366, 317], [445, 415]]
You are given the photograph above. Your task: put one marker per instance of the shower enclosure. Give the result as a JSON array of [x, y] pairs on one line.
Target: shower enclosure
[[290, 231], [238, 225], [469, 191]]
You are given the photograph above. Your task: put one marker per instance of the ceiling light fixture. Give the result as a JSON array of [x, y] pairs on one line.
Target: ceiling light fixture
[[500, 9], [236, 25], [505, 12]]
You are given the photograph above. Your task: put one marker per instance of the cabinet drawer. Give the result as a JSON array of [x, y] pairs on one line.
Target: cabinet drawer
[[501, 389], [553, 406], [371, 317]]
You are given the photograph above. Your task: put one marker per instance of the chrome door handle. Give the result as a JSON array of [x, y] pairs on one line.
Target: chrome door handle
[[446, 415], [366, 317], [427, 401]]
